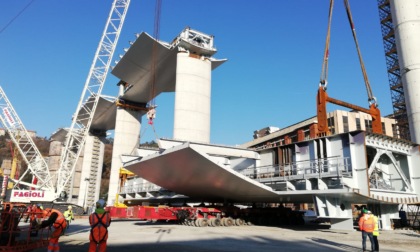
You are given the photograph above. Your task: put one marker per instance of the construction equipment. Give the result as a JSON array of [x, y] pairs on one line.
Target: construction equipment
[[38, 172], [394, 72], [211, 215], [82, 119], [124, 174], [36, 183], [322, 96], [15, 235], [15, 160]]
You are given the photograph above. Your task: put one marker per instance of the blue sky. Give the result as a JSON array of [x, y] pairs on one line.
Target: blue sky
[[274, 50]]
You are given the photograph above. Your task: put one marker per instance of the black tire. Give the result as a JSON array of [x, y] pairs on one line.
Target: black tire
[[216, 222]]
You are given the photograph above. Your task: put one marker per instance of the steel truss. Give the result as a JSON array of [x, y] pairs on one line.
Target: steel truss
[[392, 64], [82, 119], [37, 166]]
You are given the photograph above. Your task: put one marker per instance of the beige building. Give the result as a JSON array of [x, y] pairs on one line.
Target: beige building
[[31, 133], [339, 121]]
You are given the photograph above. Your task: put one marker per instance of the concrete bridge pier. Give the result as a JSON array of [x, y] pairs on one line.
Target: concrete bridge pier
[[126, 141]]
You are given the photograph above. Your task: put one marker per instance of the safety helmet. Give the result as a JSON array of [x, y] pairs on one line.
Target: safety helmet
[[100, 203], [69, 207]]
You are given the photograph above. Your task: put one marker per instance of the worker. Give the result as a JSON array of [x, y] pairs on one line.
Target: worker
[[68, 214], [99, 222], [30, 211], [376, 233], [58, 222], [36, 214], [367, 225]]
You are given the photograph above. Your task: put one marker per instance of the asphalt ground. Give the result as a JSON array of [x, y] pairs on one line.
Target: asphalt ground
[[166, 237]]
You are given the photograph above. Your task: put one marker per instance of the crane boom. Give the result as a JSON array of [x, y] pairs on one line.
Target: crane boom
[[37, 165], [82, 119]]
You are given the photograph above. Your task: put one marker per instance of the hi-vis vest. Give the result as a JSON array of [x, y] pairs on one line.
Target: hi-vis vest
[[59, 223], [367, 225], [376, 229], [99, 224]]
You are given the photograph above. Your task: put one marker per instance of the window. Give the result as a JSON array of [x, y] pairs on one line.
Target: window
[[345, 124], [358, 125], [331, 125], [395, 132], [368, 125]]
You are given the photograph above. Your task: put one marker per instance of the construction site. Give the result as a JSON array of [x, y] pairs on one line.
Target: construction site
[[322, 170]]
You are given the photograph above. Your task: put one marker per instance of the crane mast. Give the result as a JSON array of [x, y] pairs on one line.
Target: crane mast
[[82, 119], [37, 166]]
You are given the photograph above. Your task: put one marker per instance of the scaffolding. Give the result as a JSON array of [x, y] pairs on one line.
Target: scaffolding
[[394, 75]]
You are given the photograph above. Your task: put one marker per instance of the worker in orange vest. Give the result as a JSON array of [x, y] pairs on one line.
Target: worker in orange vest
[[367, 225], [58, 222], [36, 214], [99, 222]]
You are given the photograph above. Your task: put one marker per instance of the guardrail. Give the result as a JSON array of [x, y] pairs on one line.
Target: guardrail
[[141, 187], [318, 168]]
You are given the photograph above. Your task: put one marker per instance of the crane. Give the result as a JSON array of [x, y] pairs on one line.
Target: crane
[[15, 160], [322, 96], [37, 165], [82, 119]]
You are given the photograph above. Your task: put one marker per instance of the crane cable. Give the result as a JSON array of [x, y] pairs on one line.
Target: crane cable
[[371, 98], [154, 55], [152, 103], [324, 72], [15, 17]]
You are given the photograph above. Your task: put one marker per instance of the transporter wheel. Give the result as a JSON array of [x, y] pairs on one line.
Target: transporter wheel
[[239, 222], [210, 222], [223, 221], [216, 222], [202, 222], [228, 222]]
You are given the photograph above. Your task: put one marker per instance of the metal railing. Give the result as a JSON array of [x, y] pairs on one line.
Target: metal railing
[[318, 168], [139, 188]]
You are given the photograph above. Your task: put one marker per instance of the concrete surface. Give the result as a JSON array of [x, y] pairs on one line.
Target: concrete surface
[[164, 237]]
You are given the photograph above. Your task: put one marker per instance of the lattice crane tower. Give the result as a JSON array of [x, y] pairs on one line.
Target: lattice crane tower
[[82, 119]]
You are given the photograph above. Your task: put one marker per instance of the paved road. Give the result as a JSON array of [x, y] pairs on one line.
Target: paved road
[[136, 236]]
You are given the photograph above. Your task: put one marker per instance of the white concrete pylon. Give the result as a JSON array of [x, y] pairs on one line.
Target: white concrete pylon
[[406, 21], [127, 133], [192, 98]]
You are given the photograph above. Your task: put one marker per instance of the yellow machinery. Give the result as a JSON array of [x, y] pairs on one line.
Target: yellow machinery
[[124, 173]]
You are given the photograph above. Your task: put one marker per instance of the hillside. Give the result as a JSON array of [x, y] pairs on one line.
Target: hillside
[[43, 145]]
